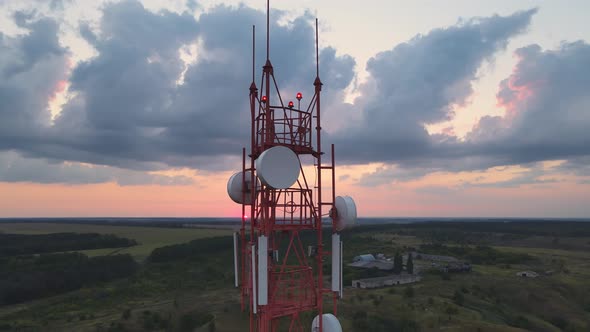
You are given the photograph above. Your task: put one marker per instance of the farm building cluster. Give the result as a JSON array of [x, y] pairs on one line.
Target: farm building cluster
[[408, 273]]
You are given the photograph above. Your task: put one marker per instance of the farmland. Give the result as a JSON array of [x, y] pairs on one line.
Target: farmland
[[148, 238], [188, 286]]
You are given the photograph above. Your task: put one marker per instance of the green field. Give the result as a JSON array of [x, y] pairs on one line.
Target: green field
[[148, 238]]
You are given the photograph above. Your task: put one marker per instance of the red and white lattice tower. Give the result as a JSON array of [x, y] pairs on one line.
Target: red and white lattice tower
[[279, 271]]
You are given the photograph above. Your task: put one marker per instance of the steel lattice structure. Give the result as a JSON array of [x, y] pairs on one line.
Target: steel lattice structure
[[279, 279]]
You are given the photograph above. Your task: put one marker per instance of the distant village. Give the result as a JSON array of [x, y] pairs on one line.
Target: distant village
[[407, 268], [404, 269]]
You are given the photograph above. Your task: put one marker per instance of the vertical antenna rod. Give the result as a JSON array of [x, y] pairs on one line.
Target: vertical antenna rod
[[267, 28], [253, 51], [317, 54]]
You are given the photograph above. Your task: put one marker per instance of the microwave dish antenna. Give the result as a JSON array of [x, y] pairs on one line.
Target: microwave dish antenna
[[278, 167], [330, 323], [239, 189], [345, 212]]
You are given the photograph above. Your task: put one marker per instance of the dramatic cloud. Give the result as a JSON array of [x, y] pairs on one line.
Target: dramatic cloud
[[387, 174], [167, 90], [14, 168], [532, 176], [32, 68], [418, 83], [547, 108], [137, 104], [577, 166]]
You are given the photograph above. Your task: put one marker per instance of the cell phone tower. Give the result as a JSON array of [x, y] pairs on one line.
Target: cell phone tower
[[282, 208]]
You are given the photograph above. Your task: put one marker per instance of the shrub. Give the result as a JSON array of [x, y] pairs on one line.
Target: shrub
[[451, 310], [458, 298], [559, 322], [192, 320], [359, 321], [126, 314], [520, 321], [409, 292]]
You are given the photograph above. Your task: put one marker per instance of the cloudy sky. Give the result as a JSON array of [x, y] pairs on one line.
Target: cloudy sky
[[437, 108]]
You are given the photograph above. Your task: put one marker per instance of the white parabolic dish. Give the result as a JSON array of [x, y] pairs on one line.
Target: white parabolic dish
[[329, 324], [234, 188], [278, 167], [346, 209]]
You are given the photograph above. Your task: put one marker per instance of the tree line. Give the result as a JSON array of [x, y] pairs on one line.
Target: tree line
[[26, 244]]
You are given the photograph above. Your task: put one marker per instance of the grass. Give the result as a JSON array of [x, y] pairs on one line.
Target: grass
[[148, 238]]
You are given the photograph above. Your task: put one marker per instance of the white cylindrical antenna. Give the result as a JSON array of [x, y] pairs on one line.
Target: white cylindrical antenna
[[236, 259], [341, 258], [336, 262], [262, 270], [254, 302]]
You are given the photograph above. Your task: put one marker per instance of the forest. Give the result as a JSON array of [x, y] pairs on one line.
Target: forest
[[25, 278], [26, 244]]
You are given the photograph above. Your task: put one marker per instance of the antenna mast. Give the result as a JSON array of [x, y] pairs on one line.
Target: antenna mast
[[281, 246], [317, 52], [267, 30]]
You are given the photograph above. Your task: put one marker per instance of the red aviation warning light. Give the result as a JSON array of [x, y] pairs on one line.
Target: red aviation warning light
[[279, 280]]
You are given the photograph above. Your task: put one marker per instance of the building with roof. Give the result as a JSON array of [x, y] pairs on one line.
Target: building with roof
[[364, 258], [379, 264], [368, 261], [527, 274], [434, 258], [392, 280]]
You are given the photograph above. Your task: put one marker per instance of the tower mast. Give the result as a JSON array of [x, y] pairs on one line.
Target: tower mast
[[278, 278]]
